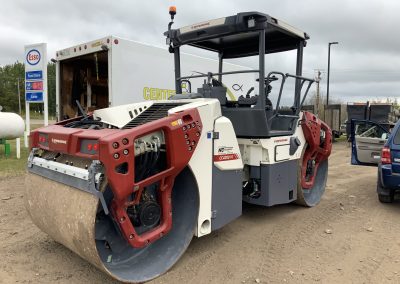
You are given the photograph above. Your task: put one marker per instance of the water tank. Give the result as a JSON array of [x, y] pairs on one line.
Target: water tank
[[11, 125]]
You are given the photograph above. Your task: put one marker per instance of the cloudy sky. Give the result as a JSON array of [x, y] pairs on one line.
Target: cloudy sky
[[365, 64]]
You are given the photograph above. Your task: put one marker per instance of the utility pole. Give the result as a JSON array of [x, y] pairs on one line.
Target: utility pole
[[329, 67], [317, 80]]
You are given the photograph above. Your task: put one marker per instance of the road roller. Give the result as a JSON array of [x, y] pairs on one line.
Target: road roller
[[128, 187]]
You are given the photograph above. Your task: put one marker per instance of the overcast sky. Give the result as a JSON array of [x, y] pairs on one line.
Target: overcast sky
[[365, 64]]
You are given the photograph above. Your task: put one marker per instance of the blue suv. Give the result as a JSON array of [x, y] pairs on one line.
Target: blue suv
[[372, 144]]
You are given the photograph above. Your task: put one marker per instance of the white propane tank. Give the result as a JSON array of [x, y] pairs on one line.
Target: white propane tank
[[11, 125]]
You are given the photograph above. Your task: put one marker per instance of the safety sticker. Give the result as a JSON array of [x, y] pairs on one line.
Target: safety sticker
[[176, 122]]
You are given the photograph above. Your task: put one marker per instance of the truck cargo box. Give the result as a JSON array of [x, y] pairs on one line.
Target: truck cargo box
[[112, 71]]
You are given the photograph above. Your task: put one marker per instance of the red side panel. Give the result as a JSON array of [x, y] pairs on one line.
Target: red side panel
[[66, 140], [316, 151], [182, 133]]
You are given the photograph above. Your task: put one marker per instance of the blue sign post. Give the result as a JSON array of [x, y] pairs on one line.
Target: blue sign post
[[35, 81]]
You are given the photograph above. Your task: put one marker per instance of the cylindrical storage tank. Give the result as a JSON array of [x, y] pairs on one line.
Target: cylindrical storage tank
[[11, 125]]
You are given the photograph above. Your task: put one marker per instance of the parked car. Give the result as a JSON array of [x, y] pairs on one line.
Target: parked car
[[373, 145], [343, 128]]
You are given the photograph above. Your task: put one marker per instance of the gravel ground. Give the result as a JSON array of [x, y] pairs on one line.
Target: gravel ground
[[348, 238]]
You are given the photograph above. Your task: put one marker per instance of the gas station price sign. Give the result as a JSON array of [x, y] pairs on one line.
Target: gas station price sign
[[34, 86]]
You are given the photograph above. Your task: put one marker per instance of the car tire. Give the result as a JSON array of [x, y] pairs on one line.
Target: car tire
[[384, 198]]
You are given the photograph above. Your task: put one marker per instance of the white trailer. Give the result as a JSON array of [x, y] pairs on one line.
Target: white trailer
[[112, 71]]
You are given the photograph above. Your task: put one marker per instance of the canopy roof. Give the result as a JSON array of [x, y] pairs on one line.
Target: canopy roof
[[238, 35]]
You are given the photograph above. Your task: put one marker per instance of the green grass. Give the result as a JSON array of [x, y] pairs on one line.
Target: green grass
[[35, 115], [11, 166], [342, 138]]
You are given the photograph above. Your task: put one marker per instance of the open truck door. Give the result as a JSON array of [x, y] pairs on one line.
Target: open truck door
[[367, 141]]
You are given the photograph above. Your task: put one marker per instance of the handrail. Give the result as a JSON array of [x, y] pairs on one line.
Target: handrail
[[210, 74]]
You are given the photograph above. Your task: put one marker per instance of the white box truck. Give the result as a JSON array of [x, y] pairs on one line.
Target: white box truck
[[113, 71]]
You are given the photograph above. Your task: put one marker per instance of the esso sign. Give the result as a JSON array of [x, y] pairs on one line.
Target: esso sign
[[33, 57]]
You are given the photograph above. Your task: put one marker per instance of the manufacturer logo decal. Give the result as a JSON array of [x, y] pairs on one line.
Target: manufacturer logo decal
[[33, 57], [58, 141], [225, 157], [281, 140], [225, 149]]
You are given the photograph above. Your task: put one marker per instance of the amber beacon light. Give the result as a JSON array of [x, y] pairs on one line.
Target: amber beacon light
[[172, 10]]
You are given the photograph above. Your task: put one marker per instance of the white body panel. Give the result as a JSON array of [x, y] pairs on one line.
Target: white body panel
[[120, 115], [201, 166], [226, 149], [138, 72], [11, 125], [272, 150], [201, 161], [281, 152]]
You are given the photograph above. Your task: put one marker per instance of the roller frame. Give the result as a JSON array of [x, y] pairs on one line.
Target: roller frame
[[85, 180], [312, 127]]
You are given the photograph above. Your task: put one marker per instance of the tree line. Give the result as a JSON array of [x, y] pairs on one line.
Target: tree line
[[12, 76]]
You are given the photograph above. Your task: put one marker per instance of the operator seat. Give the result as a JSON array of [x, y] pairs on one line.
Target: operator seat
[[247, 101]]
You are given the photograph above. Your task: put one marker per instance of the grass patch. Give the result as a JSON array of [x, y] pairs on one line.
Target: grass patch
[[11, 166], [342, 138]]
